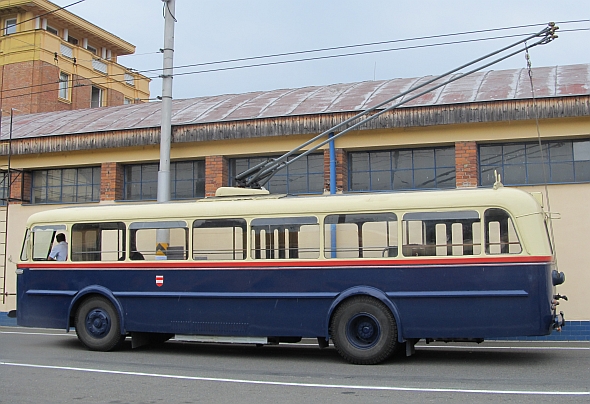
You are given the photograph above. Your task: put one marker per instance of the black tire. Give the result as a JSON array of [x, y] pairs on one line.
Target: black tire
[[98, 325], [364, 331]]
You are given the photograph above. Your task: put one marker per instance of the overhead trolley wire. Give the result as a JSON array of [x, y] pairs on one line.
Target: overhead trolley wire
[[376, 43], [39, 16], [345, 47], [49, 12], [349, 54], [259, 175], [281, 62]]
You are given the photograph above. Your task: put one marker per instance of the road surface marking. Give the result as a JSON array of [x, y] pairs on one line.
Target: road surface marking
[[308, 385]]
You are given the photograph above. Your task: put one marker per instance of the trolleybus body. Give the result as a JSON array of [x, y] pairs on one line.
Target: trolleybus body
[[371, 272]]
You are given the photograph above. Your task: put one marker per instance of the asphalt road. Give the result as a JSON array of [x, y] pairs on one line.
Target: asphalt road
[[49, 366]]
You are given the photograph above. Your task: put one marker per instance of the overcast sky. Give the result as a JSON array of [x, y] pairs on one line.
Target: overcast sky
[[216, 30]]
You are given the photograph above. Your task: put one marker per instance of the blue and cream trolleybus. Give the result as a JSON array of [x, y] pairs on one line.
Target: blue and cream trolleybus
[[371, 273]]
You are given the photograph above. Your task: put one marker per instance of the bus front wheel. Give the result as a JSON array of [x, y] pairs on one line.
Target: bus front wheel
[[364, 331], [97, 325]]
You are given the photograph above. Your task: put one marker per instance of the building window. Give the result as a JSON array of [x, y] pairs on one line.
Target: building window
[[304, 176], [96, 97], [522, 163], [64, 86], [3, 188], [127, 101], [9, 26], [72, 40], [187, 180], [52, 30], [387, 170], [68, 185], [91, 49]]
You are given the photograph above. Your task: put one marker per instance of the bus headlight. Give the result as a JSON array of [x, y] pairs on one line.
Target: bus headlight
[[557, 277]]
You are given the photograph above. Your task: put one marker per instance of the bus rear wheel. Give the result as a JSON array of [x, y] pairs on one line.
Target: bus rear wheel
[[364, 331], [97, 325]]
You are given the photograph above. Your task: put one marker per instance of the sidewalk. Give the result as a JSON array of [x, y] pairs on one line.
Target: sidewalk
[[573, 331], [6, 321]]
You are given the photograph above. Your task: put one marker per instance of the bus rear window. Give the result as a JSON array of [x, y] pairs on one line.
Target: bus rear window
[[501, 237]]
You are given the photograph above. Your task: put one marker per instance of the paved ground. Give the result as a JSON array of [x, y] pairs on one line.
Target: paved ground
[[51, 366]]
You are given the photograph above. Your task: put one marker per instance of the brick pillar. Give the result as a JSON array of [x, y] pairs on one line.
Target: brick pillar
[[111, 182], [466, 166], [216, 174], [81, 92], [20, 187], [341, 170]]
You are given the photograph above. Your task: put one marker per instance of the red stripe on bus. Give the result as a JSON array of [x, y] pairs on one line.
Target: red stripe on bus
[[263, 264]]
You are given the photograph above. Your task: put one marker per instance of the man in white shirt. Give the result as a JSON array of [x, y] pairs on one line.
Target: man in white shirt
[[59, 252]]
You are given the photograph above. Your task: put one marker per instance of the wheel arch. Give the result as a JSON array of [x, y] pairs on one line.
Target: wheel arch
[[95, 290], [365, 291]]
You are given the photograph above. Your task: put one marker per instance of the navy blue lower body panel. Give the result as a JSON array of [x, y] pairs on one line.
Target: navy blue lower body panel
[[428, 301]]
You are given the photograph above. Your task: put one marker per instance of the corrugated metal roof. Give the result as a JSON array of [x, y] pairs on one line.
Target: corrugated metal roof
[[558, 81]]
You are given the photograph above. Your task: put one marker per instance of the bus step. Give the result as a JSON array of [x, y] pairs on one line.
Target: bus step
[[221, 339]]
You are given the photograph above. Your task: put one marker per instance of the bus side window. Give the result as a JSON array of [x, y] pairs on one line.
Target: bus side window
[[369, 235], [42, 243], [500, 233], [98, 241], [285, 238], [454, 233], [42, 238], [26, 249], [219, 239], [145, 244]]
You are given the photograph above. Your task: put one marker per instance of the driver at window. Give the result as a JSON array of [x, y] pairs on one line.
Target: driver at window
[[59, 252]]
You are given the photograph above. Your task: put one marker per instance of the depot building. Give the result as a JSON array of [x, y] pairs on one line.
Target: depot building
[[454, 137]]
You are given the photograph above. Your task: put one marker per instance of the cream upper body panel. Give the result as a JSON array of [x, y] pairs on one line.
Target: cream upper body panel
[[522, 206]]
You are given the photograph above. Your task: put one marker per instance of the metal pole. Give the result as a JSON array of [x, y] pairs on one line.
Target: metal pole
[[332, 164], [166, 127], [333, 242], [163, 235], [8, 187]]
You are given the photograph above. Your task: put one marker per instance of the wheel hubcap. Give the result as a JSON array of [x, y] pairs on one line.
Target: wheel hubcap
[[363, 331], [98, 323]]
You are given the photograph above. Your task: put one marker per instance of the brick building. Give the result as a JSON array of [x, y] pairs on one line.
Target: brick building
[[55, 61], [454, 137]]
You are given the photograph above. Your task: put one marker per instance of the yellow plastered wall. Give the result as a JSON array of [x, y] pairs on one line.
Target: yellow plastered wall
[[571, 200], [572, 244]]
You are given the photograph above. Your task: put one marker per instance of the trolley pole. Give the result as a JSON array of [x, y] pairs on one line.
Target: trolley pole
[[163, 235]]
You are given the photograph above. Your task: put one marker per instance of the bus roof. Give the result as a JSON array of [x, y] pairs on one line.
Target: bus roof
[[517, 202]]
